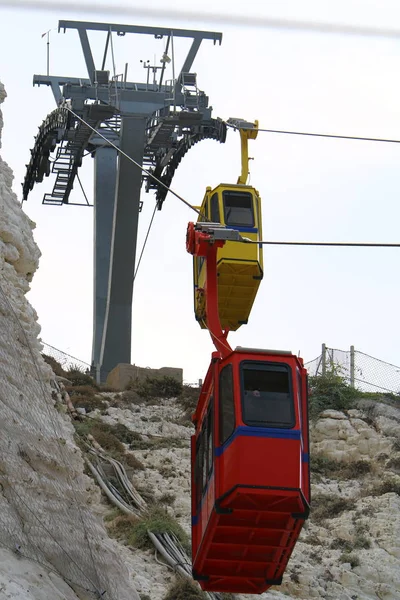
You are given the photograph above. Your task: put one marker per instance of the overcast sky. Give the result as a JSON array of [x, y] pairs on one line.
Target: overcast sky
[[312, 189]]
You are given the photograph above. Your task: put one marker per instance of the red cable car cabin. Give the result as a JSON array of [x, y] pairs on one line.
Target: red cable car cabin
[[250, 470], [250, 466]]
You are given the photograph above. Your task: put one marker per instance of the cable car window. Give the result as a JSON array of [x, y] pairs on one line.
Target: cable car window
[[204, 455], [199, 468], [205, 212], [267, 396], [238, 208], [199, 262], [215, 218], [226, 404], [209, 441]]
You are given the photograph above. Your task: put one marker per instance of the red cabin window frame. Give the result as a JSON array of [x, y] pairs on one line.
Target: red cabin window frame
[[227, 420], [204, 453]]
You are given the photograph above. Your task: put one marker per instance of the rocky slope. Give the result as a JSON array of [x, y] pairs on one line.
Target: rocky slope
[[350, 547]]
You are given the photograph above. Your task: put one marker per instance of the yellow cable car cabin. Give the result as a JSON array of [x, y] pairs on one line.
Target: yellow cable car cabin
[[240, 266]]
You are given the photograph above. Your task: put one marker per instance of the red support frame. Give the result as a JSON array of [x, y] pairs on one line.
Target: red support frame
[[202, 244]]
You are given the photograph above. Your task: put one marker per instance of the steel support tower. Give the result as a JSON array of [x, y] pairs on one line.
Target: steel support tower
[[154, 123]]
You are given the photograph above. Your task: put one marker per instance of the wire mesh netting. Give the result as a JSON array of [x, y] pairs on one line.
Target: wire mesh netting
[[365, 372], [66, 360]]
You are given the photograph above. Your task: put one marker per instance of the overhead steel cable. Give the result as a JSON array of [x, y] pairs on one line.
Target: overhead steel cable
[[322, 135], [339, 244], [145, 242]]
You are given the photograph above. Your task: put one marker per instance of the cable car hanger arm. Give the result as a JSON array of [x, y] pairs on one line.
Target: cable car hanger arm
[[248, 131], [203, 240]]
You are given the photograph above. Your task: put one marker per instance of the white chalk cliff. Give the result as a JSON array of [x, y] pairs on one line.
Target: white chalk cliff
[[45, 499], [53, 544]]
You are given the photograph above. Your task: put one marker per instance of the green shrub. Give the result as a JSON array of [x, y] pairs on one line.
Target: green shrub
[[167, 498], [108, 441], [355, 469], [322, 465], [350, 558], [330, 391], [312, 539], [189, 397], [121, 526], [341, 544], [78, 377], [184, 589], [130, 397], [84, 390], [157, 387], [88, 402], [384, 487], [396, 445], [103, 387], [325, 506], [130, 460], [156, 520], [361, 541], [55, 365], [158, 442], [394, 463], [124, 434]]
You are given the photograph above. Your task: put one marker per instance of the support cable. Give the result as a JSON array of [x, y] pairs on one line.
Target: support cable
[[144, 243], [339, 244], [83, 190], [323, 135]]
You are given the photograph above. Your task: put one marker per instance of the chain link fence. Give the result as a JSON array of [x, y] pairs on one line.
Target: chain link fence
[[367, 373], [66, 360], [361, 370]]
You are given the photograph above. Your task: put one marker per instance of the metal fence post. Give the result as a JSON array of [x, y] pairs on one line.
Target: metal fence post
[[352, 366], [323, 354]]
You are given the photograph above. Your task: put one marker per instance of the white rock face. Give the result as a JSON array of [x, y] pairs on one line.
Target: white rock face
[[45, 499]]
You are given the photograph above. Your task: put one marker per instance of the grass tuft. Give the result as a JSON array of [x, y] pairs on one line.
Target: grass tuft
[[323, 466], [156, 520], [350, 558], [156, 387], [325, 506], [55, 365], [385, 487], [184, 589]]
